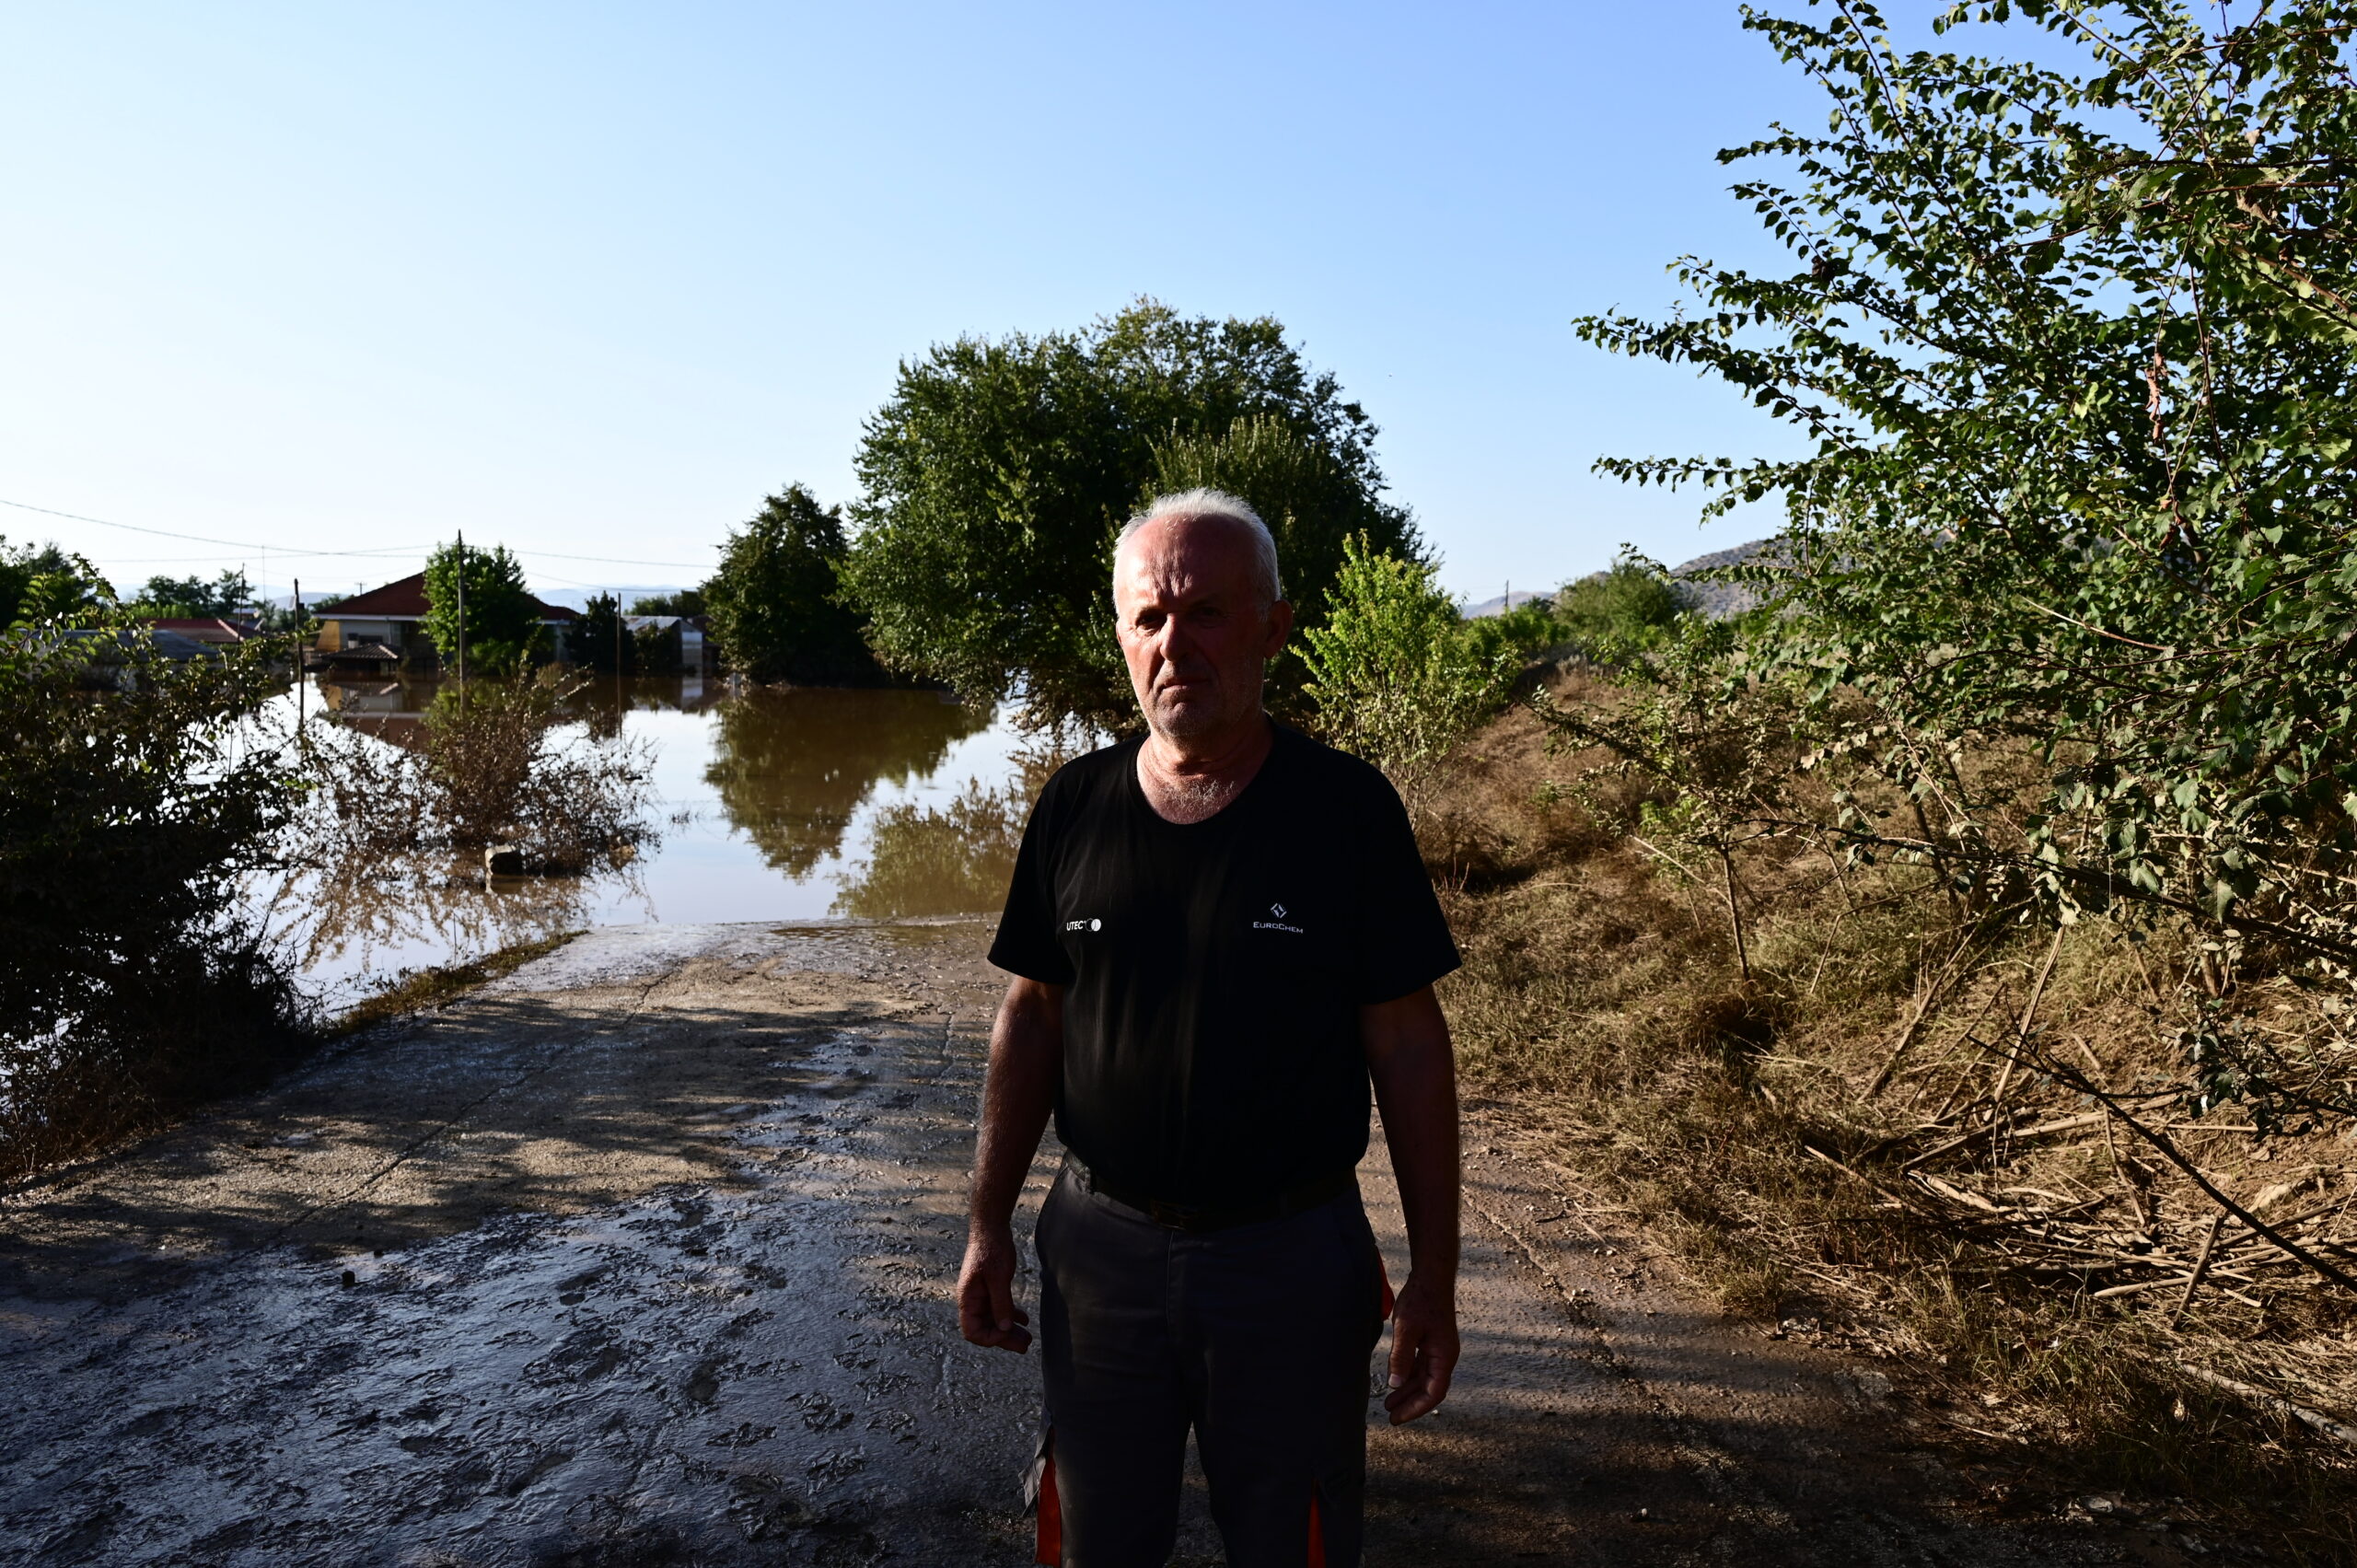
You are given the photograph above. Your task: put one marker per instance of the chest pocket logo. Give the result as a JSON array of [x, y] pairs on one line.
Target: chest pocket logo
[[1276, 921]]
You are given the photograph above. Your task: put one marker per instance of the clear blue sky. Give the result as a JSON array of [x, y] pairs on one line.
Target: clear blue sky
[[592, 280]]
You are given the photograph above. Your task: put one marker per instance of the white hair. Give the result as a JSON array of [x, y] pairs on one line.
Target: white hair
[[1202, 502]]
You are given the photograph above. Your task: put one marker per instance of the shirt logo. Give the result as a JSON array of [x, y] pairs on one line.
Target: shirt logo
[[1277, 923], [1084, 925]]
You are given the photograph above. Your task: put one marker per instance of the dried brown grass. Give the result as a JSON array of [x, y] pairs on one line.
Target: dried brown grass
[[1919, 1205]]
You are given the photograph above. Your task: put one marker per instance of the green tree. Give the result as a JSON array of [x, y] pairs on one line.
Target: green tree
[[601, 642], [503, 630], [775, 606], [999, 473], [2081, 391], [227, 594], [1615, 612], [2074, 350], [48, 583], [133, 981], [684, 601]]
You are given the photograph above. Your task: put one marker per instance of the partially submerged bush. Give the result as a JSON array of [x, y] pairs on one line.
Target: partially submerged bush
[[485, 769]]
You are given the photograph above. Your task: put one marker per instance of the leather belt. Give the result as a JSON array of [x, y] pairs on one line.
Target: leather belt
[[1195, 1219]]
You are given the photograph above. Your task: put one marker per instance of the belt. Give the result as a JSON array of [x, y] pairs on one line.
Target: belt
[[1196, 1219]]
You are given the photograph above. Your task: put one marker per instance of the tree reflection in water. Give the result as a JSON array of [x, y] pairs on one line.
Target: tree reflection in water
[[796, 773], [955, 860], [923, 860], [370, 923], [793, 765]]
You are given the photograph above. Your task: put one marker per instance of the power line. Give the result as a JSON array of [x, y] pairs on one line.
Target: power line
[[206, 539], [618, 561], [314, 554], [634, 588]]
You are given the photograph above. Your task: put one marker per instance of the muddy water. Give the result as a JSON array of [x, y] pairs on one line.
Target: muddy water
[[769, 805]]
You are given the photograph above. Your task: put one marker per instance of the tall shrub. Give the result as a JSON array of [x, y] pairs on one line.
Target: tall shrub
[[2076, 353], [1394, 674], [131, 983]]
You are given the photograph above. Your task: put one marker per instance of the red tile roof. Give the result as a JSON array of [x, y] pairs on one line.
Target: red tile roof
[[205, 628], [407, 597], [404, 597]]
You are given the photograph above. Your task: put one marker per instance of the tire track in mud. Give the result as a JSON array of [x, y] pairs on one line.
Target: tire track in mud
[[441, 1130], [1712, 1466]]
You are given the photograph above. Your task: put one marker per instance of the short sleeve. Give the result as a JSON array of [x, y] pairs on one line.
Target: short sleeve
[[1027, 943], [1404, 942]]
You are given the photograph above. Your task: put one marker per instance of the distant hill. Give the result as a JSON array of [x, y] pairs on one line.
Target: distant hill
[[1513, 599], [1716, 600], [578, 599]]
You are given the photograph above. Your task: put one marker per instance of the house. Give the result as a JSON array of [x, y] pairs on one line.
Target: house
[[213, 631], [107, 647], [692, 646], [385, 626], [111, 658]]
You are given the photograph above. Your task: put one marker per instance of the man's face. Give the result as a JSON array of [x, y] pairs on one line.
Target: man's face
[[1191, 624]]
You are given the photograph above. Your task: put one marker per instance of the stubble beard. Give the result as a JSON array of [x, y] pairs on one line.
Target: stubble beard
[[1229, 705]]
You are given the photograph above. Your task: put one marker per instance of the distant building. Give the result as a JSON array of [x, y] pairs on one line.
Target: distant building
[[693, 650], [386, 627], [211, 630], [111, 658]]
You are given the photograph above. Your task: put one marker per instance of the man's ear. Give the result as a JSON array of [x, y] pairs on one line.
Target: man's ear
[[1279, 628]]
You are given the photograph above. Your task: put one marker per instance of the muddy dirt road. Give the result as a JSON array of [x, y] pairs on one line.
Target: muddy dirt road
[[643, 1256]]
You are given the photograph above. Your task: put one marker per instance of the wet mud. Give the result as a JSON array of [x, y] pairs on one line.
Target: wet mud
[[643, 1256]]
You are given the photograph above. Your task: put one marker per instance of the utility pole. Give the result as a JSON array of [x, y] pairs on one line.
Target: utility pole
[[462, 623], [302, 677]]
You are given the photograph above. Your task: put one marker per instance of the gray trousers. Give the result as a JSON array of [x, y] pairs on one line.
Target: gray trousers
[[1256, 1336]]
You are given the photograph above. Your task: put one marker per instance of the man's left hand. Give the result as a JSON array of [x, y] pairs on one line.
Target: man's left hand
[[1423, 1349]]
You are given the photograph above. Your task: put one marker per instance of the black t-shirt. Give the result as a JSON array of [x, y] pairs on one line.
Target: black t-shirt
[[1215, 970]]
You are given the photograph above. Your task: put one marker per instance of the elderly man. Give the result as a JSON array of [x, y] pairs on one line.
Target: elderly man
[[1219, 934]]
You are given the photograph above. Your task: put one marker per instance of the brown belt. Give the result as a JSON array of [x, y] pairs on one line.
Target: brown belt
[[1196, 1219]]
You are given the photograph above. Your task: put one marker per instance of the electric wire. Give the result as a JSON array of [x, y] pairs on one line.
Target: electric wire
[[207, 539], [319, 554]]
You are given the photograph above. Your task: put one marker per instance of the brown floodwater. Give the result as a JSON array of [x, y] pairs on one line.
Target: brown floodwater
[[769, 804]]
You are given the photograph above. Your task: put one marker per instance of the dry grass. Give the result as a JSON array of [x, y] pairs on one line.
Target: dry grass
[[1941, 1205]]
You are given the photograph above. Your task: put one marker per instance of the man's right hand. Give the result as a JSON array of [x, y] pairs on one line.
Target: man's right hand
[[986, 1311]]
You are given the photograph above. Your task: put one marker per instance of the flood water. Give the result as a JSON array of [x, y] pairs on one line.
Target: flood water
[[769, 803]]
